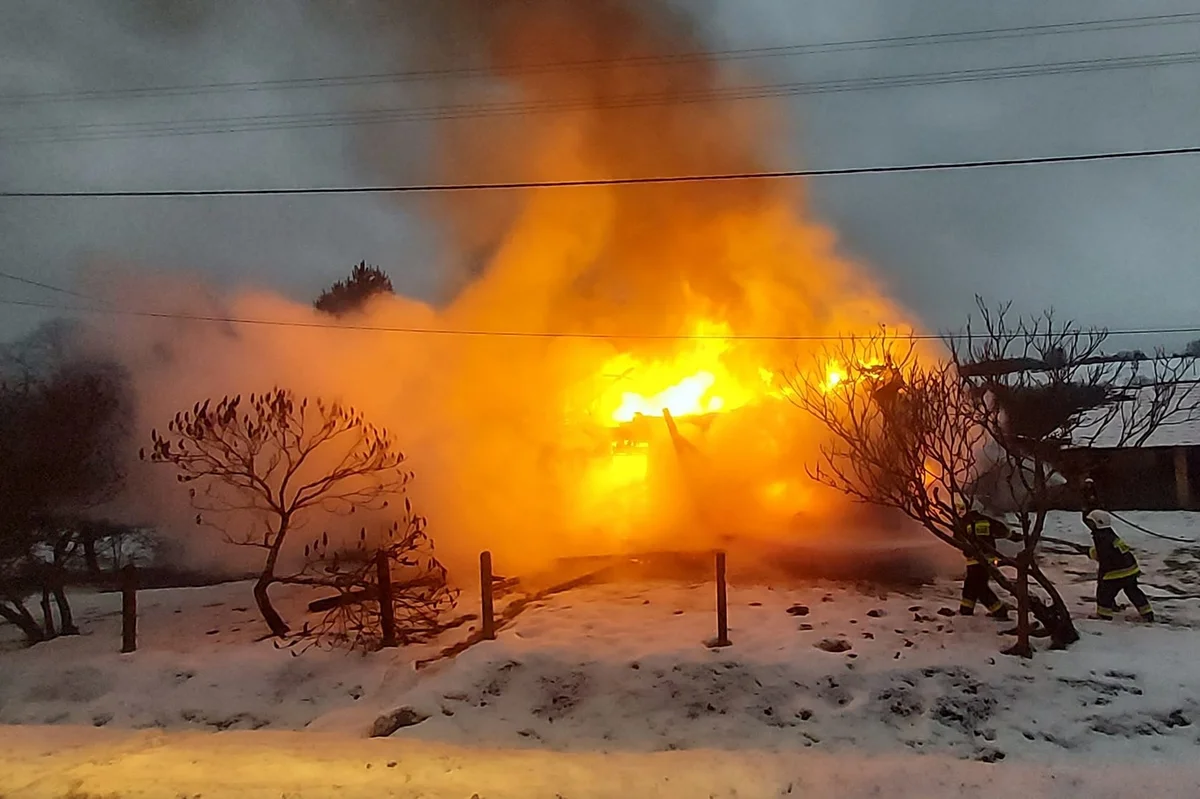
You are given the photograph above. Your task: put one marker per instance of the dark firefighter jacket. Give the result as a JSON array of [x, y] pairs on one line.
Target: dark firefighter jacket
[[985, 530], [1113, 556]]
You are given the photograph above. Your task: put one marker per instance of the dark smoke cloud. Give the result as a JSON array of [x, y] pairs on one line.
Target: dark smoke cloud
[[673, 136]]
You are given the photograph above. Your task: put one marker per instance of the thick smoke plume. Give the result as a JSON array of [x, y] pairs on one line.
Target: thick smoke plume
[[511, 437]]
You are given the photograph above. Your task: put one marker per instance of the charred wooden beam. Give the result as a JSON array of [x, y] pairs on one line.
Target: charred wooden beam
[[683, 447]]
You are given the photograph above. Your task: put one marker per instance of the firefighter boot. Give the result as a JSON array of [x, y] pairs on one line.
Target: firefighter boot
[[999, 611]]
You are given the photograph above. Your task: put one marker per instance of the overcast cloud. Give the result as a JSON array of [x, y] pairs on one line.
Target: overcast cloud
[[1111, 243]]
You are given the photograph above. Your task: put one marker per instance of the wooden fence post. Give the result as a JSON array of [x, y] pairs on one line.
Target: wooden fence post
[[387, 611], [485, 592], [1183, 481], [129, 587], [722, 604]]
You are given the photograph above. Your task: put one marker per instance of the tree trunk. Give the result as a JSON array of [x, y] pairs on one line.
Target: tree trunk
[[279, 627], [1022, 648], [1062, 629], [63, 549], [66, 621], [1056, 618], [15, 611], [89, 553], [1059, 625], [47, 611]]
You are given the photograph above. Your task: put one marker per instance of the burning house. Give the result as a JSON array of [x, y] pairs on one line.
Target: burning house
[[596, 314]]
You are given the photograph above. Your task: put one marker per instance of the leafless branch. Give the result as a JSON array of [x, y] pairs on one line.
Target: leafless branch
[[909, 433], [266, 463], [419, 591]]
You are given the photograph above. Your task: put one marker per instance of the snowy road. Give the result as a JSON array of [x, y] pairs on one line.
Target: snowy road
[[56, 762]]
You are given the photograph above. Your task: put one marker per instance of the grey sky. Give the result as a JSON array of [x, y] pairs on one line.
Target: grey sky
[[1106, 243]]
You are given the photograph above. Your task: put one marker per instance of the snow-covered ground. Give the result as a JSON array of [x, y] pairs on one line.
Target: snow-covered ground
[[611, 687]]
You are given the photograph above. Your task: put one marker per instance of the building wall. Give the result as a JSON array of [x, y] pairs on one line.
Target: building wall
[[1133, 479]]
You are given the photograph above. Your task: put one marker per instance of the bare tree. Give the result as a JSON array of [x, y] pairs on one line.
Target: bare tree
[[1000, 357], [906, 434], [17, 580], [417, 589], [267, 463], [62, 426], [893, 421]]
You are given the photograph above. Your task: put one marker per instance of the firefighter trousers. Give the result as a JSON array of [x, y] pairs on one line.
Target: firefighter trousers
[[1106, 597], [976, 589]]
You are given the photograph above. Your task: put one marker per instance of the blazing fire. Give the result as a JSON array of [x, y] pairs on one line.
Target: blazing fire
[[693, 382], [688, 396], [741, 469], [694, 298]]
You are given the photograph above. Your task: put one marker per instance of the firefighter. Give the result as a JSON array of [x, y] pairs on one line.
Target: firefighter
[[1117, 569], [984, 531]]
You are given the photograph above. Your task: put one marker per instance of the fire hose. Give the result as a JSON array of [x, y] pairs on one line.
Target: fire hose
[[1074, 548], [1151, 532], [1082, 549]]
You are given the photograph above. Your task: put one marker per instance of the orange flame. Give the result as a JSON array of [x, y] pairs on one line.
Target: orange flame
[[834, 377], [688, 396], [695, 381]]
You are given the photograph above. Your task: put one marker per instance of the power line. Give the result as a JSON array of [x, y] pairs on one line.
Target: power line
[[273, 122], [46, 286], [952, 37], [430, 188], [423, 330], [531, 334]]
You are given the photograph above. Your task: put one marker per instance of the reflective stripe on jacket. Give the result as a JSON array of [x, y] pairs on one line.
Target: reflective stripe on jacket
[[1114, 559], [985, 531], [981, 531]]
